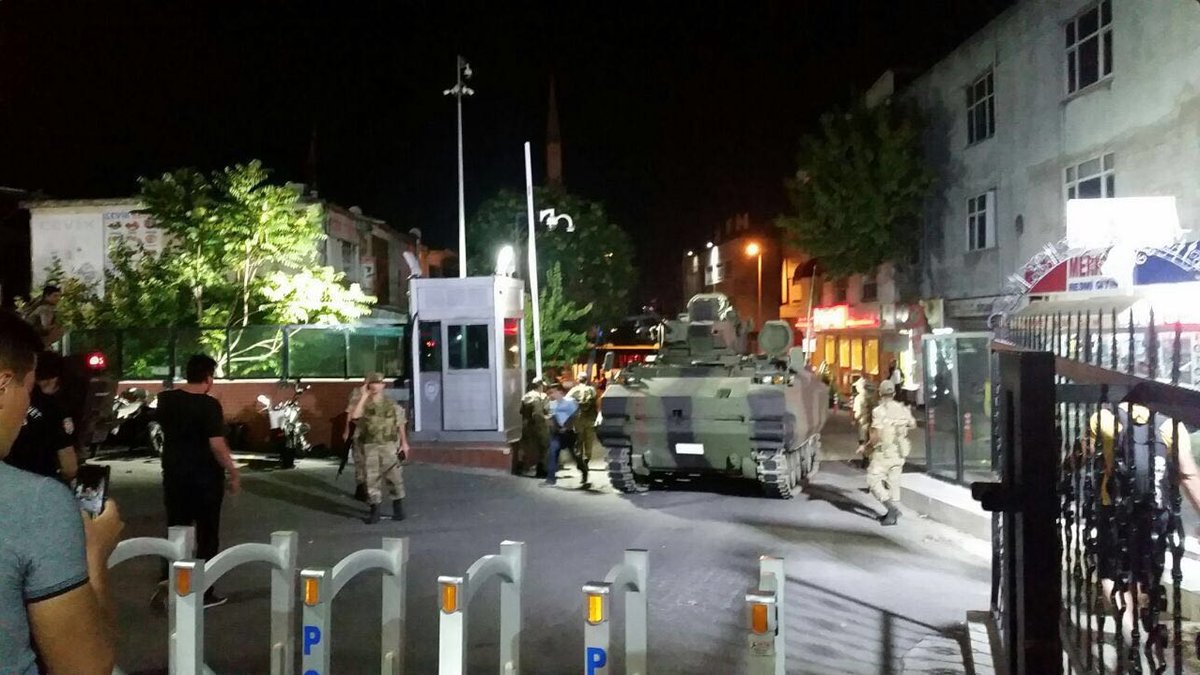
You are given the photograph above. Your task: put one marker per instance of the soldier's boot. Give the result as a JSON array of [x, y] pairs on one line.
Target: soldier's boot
[[360, 492], [892, 515], [373, 516], [397, 509]]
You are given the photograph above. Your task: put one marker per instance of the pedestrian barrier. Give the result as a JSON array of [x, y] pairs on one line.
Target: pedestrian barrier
[[321, 586], [192, 578], [454, 600], [179, 545], [629, 576], [766, 619]]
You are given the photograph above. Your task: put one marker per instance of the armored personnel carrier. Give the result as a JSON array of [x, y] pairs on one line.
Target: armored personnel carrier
[[703, 406]]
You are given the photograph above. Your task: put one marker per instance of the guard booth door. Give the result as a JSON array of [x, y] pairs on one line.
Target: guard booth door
[[468, 378]]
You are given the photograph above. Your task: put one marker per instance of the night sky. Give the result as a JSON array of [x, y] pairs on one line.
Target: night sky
[[676, 116]]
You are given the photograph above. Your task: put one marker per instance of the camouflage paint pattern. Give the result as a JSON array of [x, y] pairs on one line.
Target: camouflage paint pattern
[[705, 407]]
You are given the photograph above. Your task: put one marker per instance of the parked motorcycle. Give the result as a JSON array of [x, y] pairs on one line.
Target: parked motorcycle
[[288, 432], [130, 423]]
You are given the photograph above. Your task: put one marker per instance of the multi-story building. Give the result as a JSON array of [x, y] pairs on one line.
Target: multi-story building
[[77, 234], [741, 260], [1053, 100]]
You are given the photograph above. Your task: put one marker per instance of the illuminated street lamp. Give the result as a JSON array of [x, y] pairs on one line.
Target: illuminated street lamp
[[753, 249], [462, 73]]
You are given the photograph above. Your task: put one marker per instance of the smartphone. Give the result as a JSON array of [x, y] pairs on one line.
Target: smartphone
[[91, 488]]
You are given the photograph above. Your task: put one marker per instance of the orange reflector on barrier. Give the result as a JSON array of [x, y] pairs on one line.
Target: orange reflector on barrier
[[759, 622], [595, 608], [312, 589], [183, 581], [449, 597]]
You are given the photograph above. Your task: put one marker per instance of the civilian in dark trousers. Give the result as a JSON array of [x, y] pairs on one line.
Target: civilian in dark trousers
[[564, 411], [195, 461]]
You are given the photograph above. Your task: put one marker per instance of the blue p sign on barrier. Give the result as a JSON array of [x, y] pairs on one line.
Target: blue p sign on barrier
[[595, 659], [312, 637]]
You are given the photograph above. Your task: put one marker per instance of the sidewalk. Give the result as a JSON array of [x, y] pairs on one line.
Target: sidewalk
[[952, 504]]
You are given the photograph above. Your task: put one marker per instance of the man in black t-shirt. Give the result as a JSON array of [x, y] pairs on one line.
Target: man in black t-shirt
[[45, 445], [195, 460]]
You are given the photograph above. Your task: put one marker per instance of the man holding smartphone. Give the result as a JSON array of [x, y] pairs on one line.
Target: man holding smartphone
[[54, 601], [195, 461]]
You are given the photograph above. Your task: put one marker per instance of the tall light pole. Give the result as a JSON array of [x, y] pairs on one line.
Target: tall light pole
[[755, 250], [462, 73], [533, 270]]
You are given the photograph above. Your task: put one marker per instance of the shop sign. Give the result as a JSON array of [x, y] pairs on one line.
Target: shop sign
[[1084, 272], [969, 308], [843, 316]]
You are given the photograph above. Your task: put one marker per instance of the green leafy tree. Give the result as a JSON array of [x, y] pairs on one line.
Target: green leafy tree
[[234, 221], [562, 341], [239, 253], [858, 192], [596, 259]]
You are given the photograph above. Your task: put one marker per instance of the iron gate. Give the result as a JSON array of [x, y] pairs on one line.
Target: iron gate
[[1094, 459]]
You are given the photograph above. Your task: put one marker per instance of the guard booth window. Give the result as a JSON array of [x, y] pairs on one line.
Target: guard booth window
[[468, 347], [512, 347], [431, 349]]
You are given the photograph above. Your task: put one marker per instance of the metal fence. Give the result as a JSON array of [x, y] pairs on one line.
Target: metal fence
[[766, 650], [249, 352], [1094, 458]]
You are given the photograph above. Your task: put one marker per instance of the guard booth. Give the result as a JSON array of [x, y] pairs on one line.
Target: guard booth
[[469, 359]]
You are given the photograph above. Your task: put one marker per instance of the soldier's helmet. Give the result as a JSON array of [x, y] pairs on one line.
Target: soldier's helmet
[[887, 388]]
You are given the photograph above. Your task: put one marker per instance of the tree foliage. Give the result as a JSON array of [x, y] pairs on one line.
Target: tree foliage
[[562, 342], [237, 250], [858, 192], [596, 260]]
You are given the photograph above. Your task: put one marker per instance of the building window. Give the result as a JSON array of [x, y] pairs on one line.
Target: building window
[[350, 261], [981, 221], [1093, 179], [1089, 47], [870, 288], [981, 109]]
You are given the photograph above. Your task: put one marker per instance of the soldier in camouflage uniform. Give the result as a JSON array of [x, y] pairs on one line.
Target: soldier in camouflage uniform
[[535, 428], [585, 395], [860, 409], [890, 423], [381, 426]]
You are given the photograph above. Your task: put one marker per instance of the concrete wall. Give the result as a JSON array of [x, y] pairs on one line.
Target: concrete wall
[[1147, 114]]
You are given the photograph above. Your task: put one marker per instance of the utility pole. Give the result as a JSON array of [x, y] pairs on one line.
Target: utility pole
[[462, 73]]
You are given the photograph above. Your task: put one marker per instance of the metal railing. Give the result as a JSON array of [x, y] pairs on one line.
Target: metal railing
[[1111, 398], [629, 577], [321, 586], [189, 580], [179, 545], [192, 578], [248, 352], [455, 594], [766, 619]]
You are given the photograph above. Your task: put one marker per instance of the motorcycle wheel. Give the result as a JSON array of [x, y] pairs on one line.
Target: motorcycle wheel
[[154, 432]]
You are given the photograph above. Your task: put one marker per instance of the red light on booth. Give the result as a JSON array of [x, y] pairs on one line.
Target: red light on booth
[[510, 326], [96, 361]]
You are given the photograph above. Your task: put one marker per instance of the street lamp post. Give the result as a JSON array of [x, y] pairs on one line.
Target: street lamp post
[[755, 250], [462, 73]]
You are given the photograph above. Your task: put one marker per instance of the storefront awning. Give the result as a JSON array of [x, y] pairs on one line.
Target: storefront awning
[[1077, 306]]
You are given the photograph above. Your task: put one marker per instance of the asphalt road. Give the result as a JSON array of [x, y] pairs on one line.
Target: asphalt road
[[860, 596]]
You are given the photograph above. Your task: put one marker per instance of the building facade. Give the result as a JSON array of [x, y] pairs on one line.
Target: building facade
[[1053, 100], [78, 234], [741, 258]]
